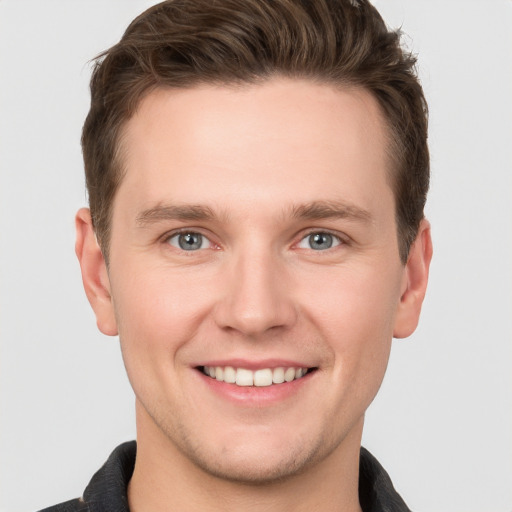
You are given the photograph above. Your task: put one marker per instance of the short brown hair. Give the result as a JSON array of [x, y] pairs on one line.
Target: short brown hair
[[182, 43]]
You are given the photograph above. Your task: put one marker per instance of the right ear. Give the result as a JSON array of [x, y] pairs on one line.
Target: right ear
[[94, 273]]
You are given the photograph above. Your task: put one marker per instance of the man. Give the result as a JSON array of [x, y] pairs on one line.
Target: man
[[257, 173]]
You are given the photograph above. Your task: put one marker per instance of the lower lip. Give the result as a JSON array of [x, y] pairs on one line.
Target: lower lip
[[255, 395]]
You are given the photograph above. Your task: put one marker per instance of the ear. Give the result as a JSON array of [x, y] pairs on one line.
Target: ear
[[94, 273], [414, 283]]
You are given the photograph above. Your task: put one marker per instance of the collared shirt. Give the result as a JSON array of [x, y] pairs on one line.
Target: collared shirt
[[107, 490]]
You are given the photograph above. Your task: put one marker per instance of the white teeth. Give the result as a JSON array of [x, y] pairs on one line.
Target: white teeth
[[244, 377], [229, 375], [289, 374], [263, 377], [278, 376], [260, 378]]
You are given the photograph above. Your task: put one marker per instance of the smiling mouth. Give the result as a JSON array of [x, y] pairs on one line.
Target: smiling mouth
[[259, 378]]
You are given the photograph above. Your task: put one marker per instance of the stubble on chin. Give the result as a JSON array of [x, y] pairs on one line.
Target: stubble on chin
[[252, 466]]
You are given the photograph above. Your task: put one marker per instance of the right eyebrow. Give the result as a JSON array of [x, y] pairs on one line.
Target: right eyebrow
[[174, 212]]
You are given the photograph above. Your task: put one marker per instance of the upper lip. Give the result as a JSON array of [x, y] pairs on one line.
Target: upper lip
[[255, 365]]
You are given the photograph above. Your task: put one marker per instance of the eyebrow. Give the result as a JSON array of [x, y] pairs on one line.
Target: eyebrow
[[315, 210], [174, 212], [318, 210]]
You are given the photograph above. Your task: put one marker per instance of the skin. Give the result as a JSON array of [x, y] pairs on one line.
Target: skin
[[270, 164]]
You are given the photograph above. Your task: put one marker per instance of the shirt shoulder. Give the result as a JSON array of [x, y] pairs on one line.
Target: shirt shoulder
[[107, 490], [376, 491]]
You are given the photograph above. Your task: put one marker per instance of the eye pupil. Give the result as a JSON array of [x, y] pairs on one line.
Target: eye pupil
[[190, 241], [321, 241]]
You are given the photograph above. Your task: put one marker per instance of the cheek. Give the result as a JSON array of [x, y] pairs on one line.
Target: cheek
[[158, 299], [349, 299], [355, 312], [157, 312]]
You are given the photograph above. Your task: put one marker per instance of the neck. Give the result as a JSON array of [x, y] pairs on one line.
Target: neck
[[165, 479]]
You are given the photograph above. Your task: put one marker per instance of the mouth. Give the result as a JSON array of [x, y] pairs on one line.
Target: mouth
[[262, 377]]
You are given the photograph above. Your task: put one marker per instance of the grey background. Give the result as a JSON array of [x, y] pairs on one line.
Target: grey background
[[442, 424]]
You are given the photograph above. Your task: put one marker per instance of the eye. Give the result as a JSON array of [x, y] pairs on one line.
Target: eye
[[319, 241], [189, 241]]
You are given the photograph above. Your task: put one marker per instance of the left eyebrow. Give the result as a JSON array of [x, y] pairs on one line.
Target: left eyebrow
[[174, 212], [318, 210]]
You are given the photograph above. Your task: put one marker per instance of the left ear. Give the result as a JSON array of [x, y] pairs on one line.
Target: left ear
[[414, 283]]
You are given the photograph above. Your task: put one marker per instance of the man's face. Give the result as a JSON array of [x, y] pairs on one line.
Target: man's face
[[253, 236]]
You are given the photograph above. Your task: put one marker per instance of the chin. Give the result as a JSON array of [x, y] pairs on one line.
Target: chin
[[255, 459], [262, 468]]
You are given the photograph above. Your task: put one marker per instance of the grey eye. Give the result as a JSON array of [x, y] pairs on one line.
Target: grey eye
[[319, 241], [189, 241]]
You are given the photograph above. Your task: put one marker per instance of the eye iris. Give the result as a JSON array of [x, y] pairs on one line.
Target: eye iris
[[190, 241], [321, 241]]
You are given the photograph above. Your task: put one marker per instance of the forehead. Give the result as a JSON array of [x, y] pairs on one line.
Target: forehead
[[282, 140]]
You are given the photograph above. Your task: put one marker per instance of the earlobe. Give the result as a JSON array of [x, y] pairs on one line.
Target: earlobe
[[94, 273], [414, 284]]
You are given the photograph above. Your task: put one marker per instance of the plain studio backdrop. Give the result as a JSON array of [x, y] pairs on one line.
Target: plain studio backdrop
[[442, 423]]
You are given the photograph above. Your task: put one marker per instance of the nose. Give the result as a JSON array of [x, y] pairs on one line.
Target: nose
[[257, 296]]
